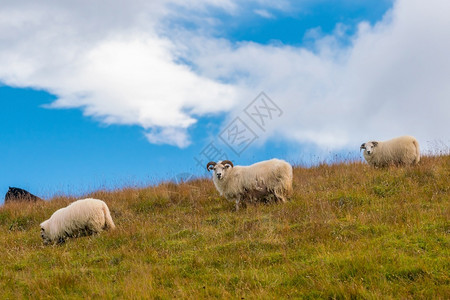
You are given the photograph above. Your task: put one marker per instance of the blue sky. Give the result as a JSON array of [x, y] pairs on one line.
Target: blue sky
[[136, 94]]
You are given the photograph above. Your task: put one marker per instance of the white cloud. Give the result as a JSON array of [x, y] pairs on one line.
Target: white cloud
[[117, 69], [392, 79], [168, 135], [264, 13], [117, 66], [135, 81]]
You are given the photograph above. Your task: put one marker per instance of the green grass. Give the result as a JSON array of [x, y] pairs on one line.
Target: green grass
[[349, 231]]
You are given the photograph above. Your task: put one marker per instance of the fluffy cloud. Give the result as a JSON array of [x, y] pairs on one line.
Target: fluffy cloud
[[387, 80], [130, 65], [114, 66]]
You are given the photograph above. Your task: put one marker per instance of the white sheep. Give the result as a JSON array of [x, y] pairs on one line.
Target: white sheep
[[262, 181], [82, 217], [402, 150]]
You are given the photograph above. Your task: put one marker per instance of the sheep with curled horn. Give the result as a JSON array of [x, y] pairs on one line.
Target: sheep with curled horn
[[261, 182], [402, 150]]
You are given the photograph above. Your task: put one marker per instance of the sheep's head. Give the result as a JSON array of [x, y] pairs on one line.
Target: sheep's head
[[220, 168], [44, 234], [368, 147]]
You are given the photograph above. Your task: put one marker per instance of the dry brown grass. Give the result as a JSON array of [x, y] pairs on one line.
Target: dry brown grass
[[349, 231]]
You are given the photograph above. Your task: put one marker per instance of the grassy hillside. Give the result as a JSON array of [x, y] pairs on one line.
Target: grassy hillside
[[349, 231]]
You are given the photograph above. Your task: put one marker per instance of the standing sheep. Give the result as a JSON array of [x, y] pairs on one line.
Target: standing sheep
[[82, 217], [403, 150], [262, 181]]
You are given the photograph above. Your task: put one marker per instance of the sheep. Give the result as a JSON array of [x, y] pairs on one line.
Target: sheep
[[402, 150], [16, 194], [262, 181], [82, 217]]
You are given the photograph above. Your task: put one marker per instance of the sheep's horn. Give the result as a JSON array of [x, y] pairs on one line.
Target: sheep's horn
[[363, 146], [224, 162], [209, 165]]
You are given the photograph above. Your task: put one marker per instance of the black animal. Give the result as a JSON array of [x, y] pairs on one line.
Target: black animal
[[16, 194]]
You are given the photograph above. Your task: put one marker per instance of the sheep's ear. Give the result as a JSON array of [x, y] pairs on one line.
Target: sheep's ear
[[375, 144], [227, 162], [210, 165], [363, 146]]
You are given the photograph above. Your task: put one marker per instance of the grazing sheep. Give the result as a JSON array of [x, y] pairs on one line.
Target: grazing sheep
[[403, 150], [16, 194], [82, 217], [262, 181]]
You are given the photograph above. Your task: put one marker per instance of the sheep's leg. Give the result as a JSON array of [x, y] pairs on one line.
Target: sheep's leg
[[279, 196], [239, 201], [282, 199]]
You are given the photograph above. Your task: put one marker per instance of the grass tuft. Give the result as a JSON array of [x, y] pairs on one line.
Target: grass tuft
[[348, 231]]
